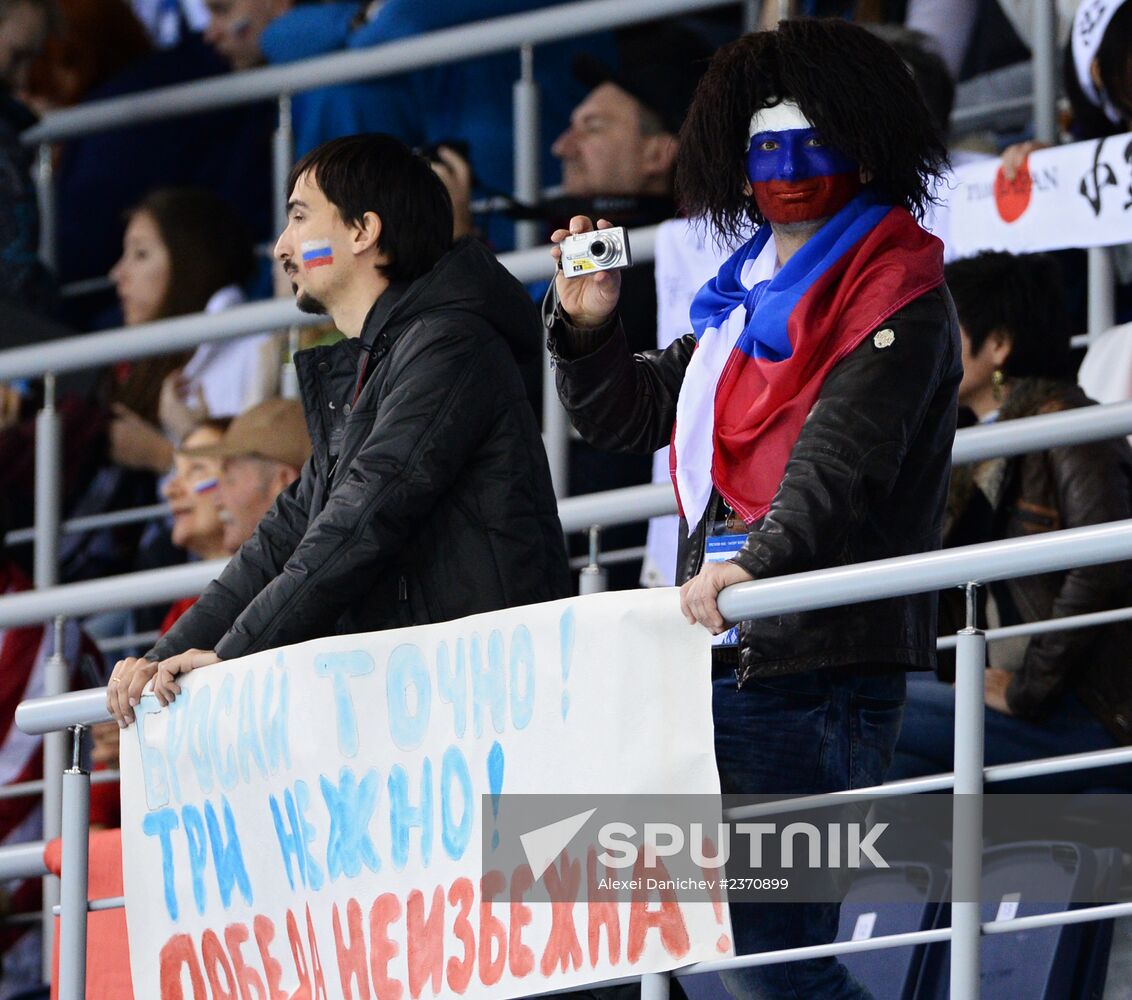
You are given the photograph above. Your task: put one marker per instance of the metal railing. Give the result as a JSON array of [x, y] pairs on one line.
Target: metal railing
[[969, 566], [521, 32], [612, 507]]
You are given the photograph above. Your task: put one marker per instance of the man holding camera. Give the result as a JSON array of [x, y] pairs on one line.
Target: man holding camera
[[812, 414], [427, 496]]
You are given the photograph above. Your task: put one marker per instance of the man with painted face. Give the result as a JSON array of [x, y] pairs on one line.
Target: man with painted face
[[811, 412]]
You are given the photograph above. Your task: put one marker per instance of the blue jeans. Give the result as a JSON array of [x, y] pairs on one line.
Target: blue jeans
[[927, 741], [819, 731]]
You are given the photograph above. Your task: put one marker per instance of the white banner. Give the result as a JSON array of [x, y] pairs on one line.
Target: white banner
[[1079, 195], [305, 823]]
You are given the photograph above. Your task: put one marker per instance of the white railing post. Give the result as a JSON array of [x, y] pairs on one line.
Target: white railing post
[[967, 822], [46, 197], [48, 487], [282, 158], [654, 985], [55, 682], [1045, 71], [1102, 291], [76, 846], [527, 126], [752, 10], [593, 579]]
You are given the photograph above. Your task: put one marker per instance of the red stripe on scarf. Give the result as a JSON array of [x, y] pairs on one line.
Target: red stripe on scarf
[[760, 405]]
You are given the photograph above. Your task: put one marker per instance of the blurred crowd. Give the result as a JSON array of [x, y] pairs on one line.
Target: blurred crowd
[[175, 214]]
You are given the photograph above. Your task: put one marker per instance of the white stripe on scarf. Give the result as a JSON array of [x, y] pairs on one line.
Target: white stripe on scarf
[[695, 407]]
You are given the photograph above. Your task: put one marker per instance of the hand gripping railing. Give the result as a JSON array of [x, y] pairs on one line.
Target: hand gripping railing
[[803, 591]]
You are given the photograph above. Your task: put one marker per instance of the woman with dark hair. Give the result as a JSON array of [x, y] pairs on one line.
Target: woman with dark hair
[[1058, 692], [811, 412], [184, 252]]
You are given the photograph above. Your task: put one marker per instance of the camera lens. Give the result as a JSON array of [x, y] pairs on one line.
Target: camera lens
[[603, 251]]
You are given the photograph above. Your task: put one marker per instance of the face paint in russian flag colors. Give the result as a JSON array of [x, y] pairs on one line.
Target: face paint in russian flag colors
[[316, 253], [793, 175]]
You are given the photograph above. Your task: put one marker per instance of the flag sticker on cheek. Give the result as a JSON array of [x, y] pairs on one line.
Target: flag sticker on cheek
[[316, 253]]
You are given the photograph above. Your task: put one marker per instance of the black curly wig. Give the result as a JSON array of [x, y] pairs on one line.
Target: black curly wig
[[855, 89]]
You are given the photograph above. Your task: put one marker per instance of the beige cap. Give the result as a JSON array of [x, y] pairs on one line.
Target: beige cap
[[274, 429]]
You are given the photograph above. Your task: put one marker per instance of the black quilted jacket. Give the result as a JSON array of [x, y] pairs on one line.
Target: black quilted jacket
[[428, 500]]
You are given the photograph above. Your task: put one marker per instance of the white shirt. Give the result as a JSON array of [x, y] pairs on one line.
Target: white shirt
[[233, 375], [686, 258]]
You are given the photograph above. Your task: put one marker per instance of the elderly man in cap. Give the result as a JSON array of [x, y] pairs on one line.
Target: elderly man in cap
[[263, 450]]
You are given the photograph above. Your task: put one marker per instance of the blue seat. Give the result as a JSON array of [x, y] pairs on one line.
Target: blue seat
[[1049, 963], [883, 901]]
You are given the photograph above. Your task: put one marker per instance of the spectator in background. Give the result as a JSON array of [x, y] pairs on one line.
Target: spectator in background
[[468, 100], [70, 66], [193, 494], [185, 251], [261, 453], [24, 28], [102, 176], [1098, 77], [1059, 692], [1098, 68]]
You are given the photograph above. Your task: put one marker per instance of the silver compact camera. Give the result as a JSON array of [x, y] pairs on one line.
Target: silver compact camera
[[600, 250]]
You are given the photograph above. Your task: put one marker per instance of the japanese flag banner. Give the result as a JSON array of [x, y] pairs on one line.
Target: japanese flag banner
[[1078, 195]]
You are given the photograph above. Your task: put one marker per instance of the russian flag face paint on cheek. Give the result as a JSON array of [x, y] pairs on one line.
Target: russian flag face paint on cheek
[[794, 177], [316, 253]]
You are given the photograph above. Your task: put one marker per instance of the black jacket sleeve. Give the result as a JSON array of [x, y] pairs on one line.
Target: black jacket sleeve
[[259, 560], [433, 416], [853, 444], [618, 401]]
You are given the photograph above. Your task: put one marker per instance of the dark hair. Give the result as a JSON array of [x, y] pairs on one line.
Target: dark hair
[[1020, 296], [851, 85], [1114, 60], [377, 173], [209, 247]]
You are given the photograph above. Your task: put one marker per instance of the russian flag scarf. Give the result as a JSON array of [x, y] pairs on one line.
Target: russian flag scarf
[[766, 341]]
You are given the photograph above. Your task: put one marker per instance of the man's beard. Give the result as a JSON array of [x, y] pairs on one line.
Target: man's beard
[[309, 304]]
